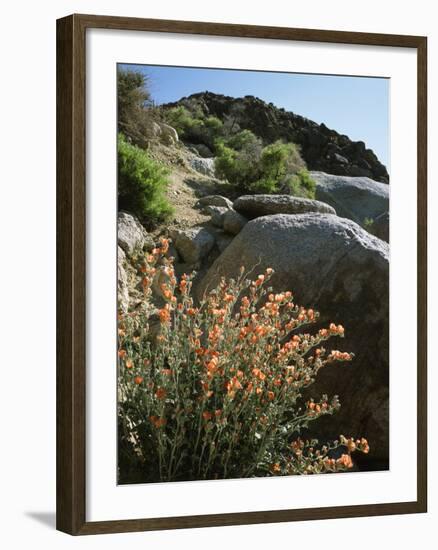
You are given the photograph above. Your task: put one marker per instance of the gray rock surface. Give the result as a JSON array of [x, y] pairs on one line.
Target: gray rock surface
[[355, 198], [131, 235], [254, 206], [203, 166], [223, 240], [338, 268], [168, 134], [214, 200], [217, 214], [193, 244], [122, 281], [233, 222]]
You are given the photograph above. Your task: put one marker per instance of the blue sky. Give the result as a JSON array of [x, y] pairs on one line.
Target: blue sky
[[355, 106]]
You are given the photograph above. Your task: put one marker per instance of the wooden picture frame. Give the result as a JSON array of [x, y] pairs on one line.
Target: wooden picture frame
[[71, 273]]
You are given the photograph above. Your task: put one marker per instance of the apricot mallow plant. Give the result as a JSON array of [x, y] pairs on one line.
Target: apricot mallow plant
[[214, 389]]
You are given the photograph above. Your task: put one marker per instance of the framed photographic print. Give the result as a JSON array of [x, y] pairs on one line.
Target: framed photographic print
[[241, 244]]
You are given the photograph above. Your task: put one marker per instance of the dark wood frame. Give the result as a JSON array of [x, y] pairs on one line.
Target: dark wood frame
[[71, 266]]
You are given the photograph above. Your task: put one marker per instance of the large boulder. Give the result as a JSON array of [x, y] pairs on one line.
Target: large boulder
[[131, 235], [254, 206], [338, 268], [358, 199], [214, 200]]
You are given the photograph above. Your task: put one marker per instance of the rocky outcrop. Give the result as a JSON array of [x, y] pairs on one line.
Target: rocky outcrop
[[338, 268], [214, 200], [131, 235], [233, 222], [168, 134], [358, 199], [322, 148], [193, 244], [254, 206], [204, 166], [217, 214]]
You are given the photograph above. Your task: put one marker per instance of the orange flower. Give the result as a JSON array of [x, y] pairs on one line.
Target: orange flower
[[345, 461], [160, 393], [271, 395], [164, 245], [167, 293], [138, 379], [164, 314], [192, 311], [259, 280], [258, 374], [336, 355], [212, 365], [207, 415], [129, 364], [122, 353], [275, 468], [233, 385], [158, 422], [365, 448]]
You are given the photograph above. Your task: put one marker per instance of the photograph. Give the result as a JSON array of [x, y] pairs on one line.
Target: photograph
[[253, 274]]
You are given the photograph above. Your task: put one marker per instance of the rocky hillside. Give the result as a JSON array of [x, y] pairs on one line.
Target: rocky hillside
[[330, 246], [323, 149]]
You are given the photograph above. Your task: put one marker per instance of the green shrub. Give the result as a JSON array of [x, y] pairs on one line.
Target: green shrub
[[180, 119], [218, 392], [142, 183], [194, 127], [368, 224], [243, 140], [301, 185], [277, 168]]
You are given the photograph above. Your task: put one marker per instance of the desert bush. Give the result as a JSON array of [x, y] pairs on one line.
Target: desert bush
[[301, 184], [194, 127], [142, 183], [136, 115], [217, 391], [277, 168]]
